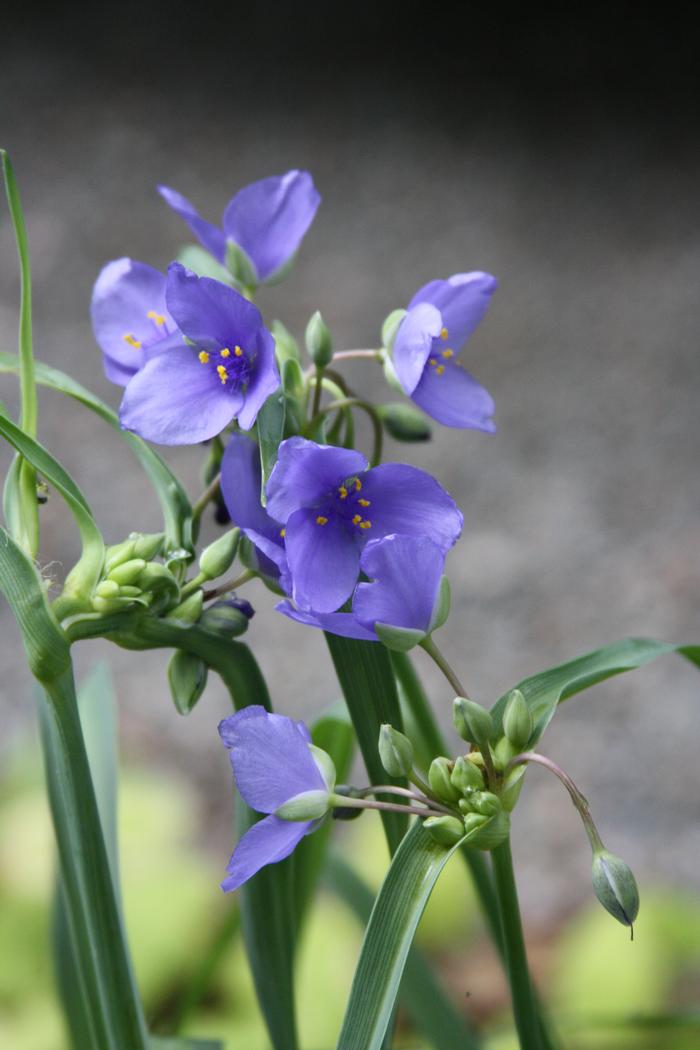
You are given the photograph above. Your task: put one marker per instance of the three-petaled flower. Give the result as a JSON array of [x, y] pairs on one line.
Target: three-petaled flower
[[440, 318], [226, 370], [276, 767], [267, 219]]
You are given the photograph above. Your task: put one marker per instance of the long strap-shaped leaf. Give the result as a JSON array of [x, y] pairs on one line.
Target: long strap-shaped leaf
[[367, 680], [544, 691], [420, 993], [177, 512], [407, 886]]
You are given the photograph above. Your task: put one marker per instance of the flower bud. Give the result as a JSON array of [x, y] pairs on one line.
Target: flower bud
[[217, 558], [147, 545], [512, 786], [517, 720], [119, 553], [157, 579], [615, 886], [187, 677], [466, 776], [447, 831], [318, 341], [107, 589], [128, 571], [188, 611], [404, 422], [126, 591], [228, 618], [439, 778], [395, 752], [489, 834], [391, 327], [502, 753], [472, 721], [308, 805], [240, 266], [486, 803]]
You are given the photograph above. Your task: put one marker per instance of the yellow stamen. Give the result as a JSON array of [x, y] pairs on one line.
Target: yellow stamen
[[358, 484], [203, 356], [448, 353], [366, 524], [439, 370], [237, 351], [222, 373], [432, 361], [343, 492], [132, 341], [444, 333], [357, 519], [363, 502], [283, 533], [153, 316], [225, 352], [320, 520]]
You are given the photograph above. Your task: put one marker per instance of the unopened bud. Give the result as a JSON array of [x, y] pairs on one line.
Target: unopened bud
[[309, 805], [227, 618], [128, 571], [147, 545], [395, 752], [118, 553], [517, 720], [107, 589], [446, 830], [188, 611], [187, 677], [439, 780], [217, 558], [615, 886], [318, 341], [486, 803], [502, 753], [491, 833], [466, 776], [472, 721], [404, 422]]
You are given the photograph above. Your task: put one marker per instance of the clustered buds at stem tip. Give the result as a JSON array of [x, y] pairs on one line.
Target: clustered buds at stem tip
[[395, 752]]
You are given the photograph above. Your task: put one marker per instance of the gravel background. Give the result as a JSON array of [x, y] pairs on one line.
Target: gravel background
[[582, 521]]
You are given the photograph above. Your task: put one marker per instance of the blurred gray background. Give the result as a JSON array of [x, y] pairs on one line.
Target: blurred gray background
[[554, 154]]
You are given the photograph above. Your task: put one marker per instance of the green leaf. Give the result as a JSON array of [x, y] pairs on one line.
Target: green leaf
[[270, 428], [199, 260], [177, 512], [423, 997], [544, 691], [402, 898], [367, 681], [84, 576]]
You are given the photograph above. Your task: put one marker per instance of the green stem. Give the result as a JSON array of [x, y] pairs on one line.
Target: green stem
[[434, 653], [200, 983], [95, 926], [356, 402], [210, 491], [579, 800], [525, 1010], [318, 387], [231, 585]]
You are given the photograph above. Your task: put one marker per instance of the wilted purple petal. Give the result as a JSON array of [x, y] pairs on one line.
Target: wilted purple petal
[[209, 236], [404, 499], [306, 472], [343, 624], [455, 399], [267, 842], [413, 343], [406, 571], [269, 218], [323, 560]]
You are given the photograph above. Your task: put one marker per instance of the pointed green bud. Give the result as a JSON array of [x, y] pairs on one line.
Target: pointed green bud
[[486, 803], [147, 545], [446, 830], [517, 720], [439, 778], [472, 821], [158, 582], [325, 765], [466, 776], [502, 753], [104, 606], [395, 752], [309, 805], [512, 786], [107, 589], [118, 553], [240, 266], [218, 557], [491, 833], [190, 610], [128, 571], [442, 605], [187, 677], [228, 618], [391, 327], [125, 591], [398, 639], [472, 721], [404, 422], [615, 886], [318, 341]]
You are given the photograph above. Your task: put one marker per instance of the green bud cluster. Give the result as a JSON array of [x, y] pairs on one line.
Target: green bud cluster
[[484, 819], [132, 577]]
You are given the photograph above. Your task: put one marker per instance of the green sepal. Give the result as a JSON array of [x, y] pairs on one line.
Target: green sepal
[[187, 678], [240, 266], [390, 374], [324, 764], [399, 639], [442, 605], [308, 805], [199, 261], [403, 422], [489, 835], [390, 327], [512, 786], [269, 426], [447, 831]]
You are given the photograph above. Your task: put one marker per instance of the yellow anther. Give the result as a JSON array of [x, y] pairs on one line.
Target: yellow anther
[[439, 370], [283, 533], [153, 316], [225, 352], [237, 351], [203, 356], [320, 520], [343, 492], [448, 353], [432, 361], [366, 524], [222, 373], [357, 519], [358, 484], [444, 333], [363, 502], [132, 341]]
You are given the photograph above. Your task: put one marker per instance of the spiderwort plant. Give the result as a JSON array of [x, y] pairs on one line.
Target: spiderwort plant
[[356, 547]]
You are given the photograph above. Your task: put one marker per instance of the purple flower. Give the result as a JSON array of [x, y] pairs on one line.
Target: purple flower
[[130, 319], [331, 505], [407, 592], [440, 318], [267, 219], [241, 481], [274, 763], [228, 370]]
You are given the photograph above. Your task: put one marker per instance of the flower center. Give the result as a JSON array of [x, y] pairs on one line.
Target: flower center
[[232, 366], [158, 330], [346, 504]]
